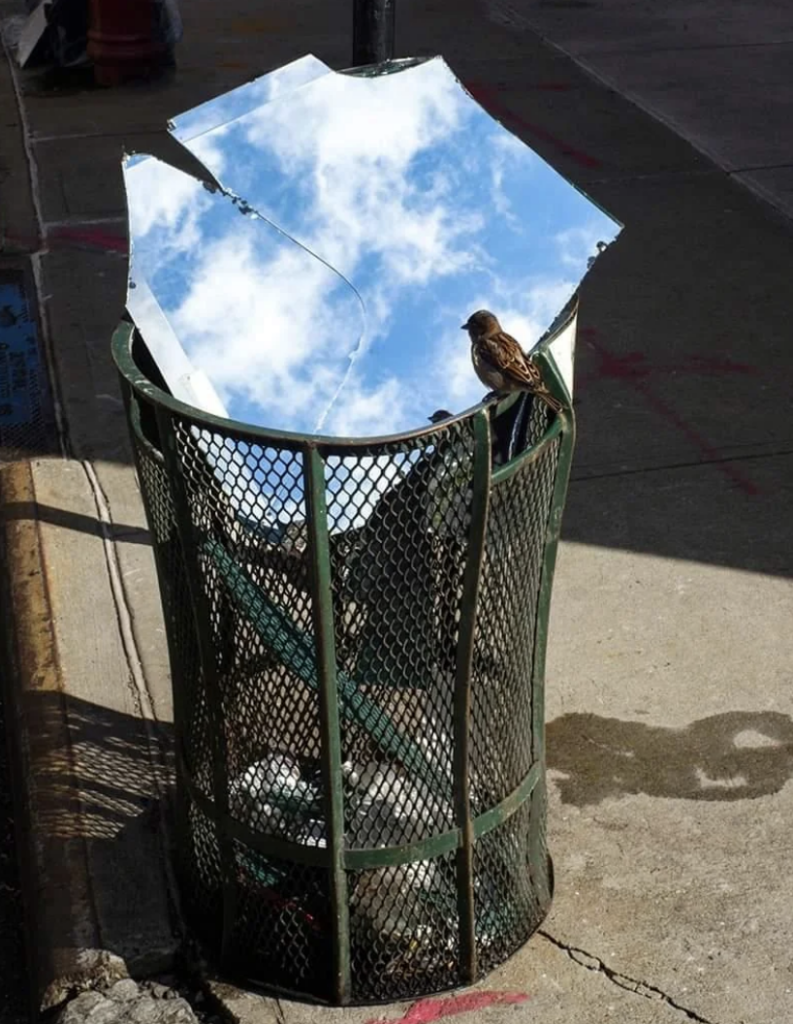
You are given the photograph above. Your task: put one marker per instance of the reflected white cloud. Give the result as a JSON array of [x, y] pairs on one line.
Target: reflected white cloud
[[427, 205], [577, 245], [246, 97], [166, 205], [361, 220], [364, 412], [271, 326]]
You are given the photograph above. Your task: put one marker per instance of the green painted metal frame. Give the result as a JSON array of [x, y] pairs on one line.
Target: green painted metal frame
[[338, 696], [322, 608], [480, 499]]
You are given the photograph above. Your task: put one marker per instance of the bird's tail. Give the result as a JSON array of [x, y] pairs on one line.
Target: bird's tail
[[548, 398], [542, 390]]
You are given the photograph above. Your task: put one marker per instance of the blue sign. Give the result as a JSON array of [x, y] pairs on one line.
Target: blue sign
[[22, 383]]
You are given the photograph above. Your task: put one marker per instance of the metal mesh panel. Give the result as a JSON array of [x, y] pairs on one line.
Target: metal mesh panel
[[188, 687], [519, 428], [511, 890], [281, 932], [538, 416], [269, 714], [320, 673], [404, 929], [199, 867], [396, 611], [501, 684], [198, 854]]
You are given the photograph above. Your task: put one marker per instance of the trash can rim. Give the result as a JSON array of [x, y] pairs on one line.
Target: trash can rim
[[123, 338]]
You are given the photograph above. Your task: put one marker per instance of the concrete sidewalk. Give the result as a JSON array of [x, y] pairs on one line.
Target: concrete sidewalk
[[670, 738], [719, 74]]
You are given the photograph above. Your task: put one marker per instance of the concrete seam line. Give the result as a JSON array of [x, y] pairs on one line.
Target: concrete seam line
[[140, 690], [75, 222], [139, 687], [634, 985], [56, 913], [700, 464], [759, 192]]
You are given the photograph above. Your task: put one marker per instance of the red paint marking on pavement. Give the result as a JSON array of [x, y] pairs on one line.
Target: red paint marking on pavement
[[427, 1010], [633, 366], [21, 242], [93, 237], [628, 368], [487, 96], [72, 238]]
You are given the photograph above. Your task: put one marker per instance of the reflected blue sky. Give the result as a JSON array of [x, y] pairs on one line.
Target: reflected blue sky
[[246, 97], [402, 207], [249, 306]]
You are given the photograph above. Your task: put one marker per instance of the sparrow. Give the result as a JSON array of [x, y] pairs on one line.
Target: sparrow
[[500, 362]]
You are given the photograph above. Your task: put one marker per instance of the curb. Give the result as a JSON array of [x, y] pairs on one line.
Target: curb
[[64, 949]]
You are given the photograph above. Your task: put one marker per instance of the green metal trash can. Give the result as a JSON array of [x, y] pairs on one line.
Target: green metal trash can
[[358, 694]]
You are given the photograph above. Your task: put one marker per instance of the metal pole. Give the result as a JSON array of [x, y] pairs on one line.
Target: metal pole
[[372, 31]]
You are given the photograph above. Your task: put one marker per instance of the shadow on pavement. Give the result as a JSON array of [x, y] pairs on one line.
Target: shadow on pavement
[[108, 773], [13, 979], [68, 520], [100, 799]]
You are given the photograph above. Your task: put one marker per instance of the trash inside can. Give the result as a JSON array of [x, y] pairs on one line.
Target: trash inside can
[[356, 623]]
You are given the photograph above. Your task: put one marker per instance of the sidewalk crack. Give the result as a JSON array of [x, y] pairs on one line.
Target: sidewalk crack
[[639, 988]]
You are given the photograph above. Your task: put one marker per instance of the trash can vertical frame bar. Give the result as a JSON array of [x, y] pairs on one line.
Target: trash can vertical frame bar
[[325, 647], [553, 532], [202, 620], [480, 499], [144, 448]]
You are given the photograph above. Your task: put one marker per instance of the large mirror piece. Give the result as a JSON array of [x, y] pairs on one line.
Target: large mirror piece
[[362, 218]]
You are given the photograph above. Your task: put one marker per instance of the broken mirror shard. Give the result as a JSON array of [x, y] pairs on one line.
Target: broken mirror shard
[[246, 98], [362, 219], [265, 321]]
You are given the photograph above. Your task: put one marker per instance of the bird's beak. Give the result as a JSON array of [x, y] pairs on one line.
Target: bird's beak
[[464, 327]]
